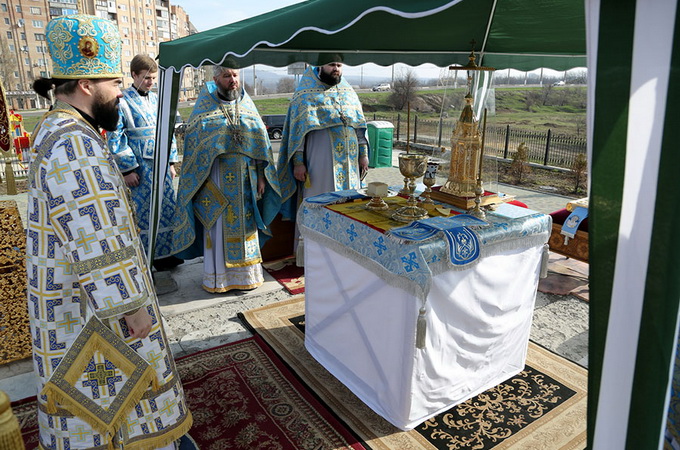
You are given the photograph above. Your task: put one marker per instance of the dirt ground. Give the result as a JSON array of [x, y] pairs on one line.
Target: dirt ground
[[563, 183]]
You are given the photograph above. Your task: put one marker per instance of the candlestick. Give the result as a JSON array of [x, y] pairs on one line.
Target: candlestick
[[481, 150]]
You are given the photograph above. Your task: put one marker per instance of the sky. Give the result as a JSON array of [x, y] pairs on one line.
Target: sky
[[207, 14]]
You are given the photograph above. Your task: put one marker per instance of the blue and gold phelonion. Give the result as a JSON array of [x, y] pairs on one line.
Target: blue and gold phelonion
[[83, 46]]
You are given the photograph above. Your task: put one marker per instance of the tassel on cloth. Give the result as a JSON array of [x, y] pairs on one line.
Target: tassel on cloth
[[421, 328], [545, 257], [208, 241], [10, 432]]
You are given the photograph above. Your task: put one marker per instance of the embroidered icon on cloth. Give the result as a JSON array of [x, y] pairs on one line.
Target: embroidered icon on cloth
[[209, 204], [100, 379]]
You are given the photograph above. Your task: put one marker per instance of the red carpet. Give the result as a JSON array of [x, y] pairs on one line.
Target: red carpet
[[241, 396], [288, 274]]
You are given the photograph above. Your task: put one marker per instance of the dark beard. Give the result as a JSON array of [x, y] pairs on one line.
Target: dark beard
[[329, 79], [106, 114]]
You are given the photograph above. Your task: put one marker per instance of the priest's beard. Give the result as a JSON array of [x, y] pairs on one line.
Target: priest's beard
[[329, 79], [229, 94], [105, 113]]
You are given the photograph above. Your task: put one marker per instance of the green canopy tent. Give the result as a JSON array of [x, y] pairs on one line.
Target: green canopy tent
[[633, 78], [508, 33]]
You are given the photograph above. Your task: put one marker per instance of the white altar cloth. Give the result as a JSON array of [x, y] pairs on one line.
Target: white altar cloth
[[363, 330]]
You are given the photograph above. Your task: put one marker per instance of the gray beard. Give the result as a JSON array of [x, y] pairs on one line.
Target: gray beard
[[230, 95]]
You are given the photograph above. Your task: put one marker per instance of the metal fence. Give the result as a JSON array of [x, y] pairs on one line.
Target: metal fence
[[502, 141], [19, 167]]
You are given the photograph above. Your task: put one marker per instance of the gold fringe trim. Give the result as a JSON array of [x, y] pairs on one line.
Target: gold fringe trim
[[251, 262], [208, 241], [55, 395], [166, 439], [10, 432], [230, 288]]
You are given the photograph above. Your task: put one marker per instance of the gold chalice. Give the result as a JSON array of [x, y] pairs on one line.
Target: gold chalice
[[429, 180], [411, 167]]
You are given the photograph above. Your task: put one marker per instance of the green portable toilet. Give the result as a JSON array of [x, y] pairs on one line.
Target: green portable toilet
[[380, 137]]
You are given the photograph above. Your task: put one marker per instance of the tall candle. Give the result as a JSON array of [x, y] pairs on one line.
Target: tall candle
[[481, 151]]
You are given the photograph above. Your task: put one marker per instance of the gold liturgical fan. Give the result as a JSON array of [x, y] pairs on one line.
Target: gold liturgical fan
[[463, 188]]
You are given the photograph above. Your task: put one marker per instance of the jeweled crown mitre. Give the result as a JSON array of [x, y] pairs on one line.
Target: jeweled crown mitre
[[83, 46]]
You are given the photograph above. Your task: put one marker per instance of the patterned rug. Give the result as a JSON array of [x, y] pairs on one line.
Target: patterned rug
[[241, 396], [542, 407], [288, 274]]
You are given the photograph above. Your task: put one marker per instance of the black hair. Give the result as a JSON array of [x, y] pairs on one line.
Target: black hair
[[43, 86]]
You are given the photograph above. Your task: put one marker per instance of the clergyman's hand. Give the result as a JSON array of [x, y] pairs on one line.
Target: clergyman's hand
[[260, 186], [139, 323], [173, 172], [299, 172], [363, 166], [131, 179]]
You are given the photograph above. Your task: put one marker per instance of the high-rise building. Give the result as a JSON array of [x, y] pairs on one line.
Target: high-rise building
[[23, 49]]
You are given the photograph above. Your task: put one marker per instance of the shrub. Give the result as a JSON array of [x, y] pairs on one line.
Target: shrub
[[520, 165], [578, 168]]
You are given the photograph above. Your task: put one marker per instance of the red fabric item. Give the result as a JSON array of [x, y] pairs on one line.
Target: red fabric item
[[291, 277], [241, 396], [518, 203]]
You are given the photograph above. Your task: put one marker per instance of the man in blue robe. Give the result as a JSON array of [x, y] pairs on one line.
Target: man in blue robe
[[228, 189], [132, 144], [324, 146]]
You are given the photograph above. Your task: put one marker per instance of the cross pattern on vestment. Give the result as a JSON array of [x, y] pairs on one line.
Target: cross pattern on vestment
[[58, 171], [68, 322], [84, 240], [101, 374], [168, 408], [80, 433], [230, 177], [206, 202], [231, 217], [339, 147], [153, 358], [131, 424]]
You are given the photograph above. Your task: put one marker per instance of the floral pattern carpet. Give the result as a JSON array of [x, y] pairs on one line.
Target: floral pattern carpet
[[542, 407]]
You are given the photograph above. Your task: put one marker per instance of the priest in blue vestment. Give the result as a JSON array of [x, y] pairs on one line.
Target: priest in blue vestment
[[228, 189], [132, 144], [324, 146]]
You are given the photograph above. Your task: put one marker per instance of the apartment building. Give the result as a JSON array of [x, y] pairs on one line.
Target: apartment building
[[23, 49]]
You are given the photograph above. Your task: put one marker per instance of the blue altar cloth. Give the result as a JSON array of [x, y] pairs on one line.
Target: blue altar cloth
[[411, 264]]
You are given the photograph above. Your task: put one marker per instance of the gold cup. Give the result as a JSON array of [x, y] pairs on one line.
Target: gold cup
[[429, 180], [411, 166]]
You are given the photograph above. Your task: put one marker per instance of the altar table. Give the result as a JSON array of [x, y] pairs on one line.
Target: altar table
[[364, 291]]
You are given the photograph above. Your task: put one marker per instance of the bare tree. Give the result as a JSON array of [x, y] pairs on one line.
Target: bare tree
[[249, 89], [404, 90], [8, 64], [286, 84]]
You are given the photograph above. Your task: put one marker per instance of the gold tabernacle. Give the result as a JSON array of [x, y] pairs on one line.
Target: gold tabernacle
[[464, 180]]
